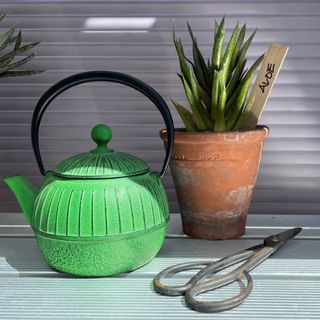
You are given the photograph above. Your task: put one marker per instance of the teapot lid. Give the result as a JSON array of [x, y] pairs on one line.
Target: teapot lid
[[101, 162]]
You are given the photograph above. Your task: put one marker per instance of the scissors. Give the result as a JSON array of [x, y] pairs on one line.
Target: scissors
[[200, 283]]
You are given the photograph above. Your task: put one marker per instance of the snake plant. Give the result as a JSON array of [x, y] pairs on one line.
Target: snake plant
[[10, 48], [217, 88]]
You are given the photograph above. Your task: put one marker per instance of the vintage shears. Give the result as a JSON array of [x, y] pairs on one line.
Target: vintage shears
[[205, 280]]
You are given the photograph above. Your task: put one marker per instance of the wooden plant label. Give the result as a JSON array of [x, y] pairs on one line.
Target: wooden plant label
[[261, 89]]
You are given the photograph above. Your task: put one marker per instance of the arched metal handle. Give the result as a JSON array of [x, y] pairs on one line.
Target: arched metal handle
[[108, 76]]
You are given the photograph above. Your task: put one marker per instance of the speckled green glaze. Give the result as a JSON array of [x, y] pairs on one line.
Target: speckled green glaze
[[102, 257]]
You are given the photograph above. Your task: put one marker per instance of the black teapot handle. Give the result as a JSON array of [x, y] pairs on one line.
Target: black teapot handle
[[90, 76]]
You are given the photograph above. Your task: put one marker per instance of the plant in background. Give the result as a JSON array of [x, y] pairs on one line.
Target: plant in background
[[217, 90], [11, 48]]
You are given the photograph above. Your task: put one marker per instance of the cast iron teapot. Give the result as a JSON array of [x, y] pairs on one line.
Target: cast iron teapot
[[101, 212]]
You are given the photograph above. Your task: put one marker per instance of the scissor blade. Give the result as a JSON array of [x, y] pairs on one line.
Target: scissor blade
[[277, 240], [288, 234]]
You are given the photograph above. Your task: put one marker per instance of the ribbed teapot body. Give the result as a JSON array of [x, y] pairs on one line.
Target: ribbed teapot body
[[87, 209], [82, 224]]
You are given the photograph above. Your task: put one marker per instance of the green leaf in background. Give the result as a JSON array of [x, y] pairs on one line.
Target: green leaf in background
[[6, 37], [7, 67], [7, 58], [17, 64], [27, 47], [20, 73]]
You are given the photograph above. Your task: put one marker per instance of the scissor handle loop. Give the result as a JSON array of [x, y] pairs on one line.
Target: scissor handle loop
[[221, 305], [176, 290]]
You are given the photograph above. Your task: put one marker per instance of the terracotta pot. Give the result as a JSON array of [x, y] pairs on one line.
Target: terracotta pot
[[214, 175]]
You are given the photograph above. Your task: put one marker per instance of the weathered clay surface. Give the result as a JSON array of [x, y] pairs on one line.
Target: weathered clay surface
[[214, 175]]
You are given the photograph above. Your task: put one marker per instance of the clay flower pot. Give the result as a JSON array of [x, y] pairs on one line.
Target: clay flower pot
[[214, 176]]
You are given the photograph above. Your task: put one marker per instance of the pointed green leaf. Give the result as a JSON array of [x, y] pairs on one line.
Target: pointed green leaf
[[244, 114], [237, 48], [238, 92], [218, 46], [2, 16], [182, 60], [20, 73], [186, 117], [194, 86], [225, 64], [6, 37], [215, 95], [200, 68], [194, 107], [27, 47], [239, 102], [199, 76], [18, 41], [242, 93], [201, 109], [205, 98], [12, 40], [17, 64], [205, 115], [254, 67], [246, 46], [220, 125], [7, 58], [235, 79], [216, 27]]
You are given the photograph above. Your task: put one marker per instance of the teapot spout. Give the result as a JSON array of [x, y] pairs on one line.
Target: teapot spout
[[25, 193]]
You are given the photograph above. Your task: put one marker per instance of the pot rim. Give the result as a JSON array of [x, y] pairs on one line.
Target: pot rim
[[181, 135]]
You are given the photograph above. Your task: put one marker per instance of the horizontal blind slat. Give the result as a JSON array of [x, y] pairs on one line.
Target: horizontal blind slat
[[175, 9], [201, 22]]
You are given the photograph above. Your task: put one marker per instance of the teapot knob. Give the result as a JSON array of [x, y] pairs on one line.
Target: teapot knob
[[101, 135]]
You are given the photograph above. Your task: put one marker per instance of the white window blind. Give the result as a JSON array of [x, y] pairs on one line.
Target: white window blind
[[139, 42]]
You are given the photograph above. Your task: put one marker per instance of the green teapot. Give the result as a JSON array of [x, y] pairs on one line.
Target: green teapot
[[100, 212]]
